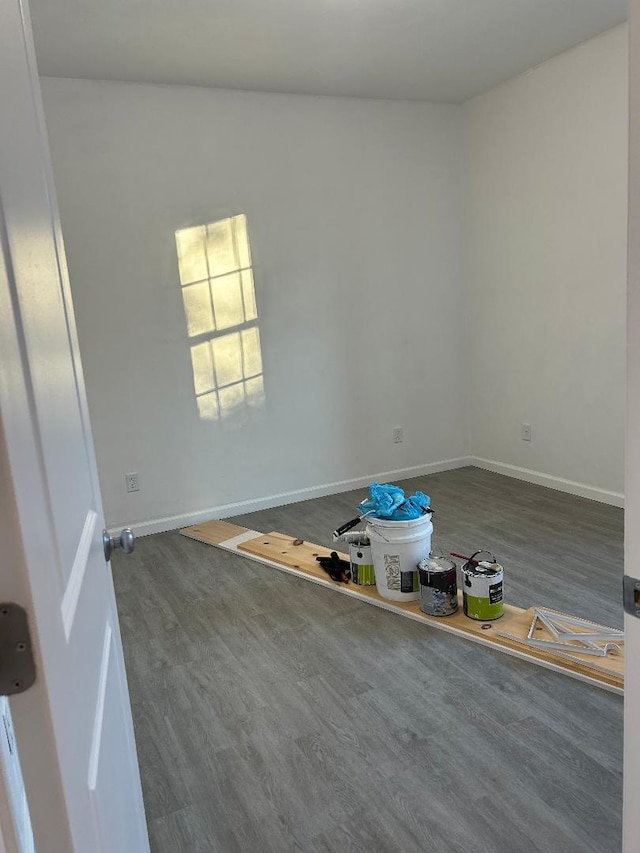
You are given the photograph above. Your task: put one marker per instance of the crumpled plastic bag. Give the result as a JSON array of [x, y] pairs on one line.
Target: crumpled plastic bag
[[389, 502]]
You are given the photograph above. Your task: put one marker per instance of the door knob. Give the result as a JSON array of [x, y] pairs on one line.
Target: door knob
[[126, 541]]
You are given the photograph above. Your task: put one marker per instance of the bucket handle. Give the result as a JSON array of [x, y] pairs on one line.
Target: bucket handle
[[349, 525], [381, 534], [472, 558]]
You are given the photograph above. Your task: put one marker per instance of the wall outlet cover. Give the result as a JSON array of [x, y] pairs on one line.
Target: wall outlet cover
[[133, 484]]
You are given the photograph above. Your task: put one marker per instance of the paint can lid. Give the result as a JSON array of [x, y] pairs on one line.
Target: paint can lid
[[482, 570], [436, 562]]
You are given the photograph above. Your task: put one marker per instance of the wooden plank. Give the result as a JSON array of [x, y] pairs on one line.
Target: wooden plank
[[213, 532], [279, 548]]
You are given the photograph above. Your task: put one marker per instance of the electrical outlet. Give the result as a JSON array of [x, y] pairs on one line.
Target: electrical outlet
[[133, 485], [398, 435], [526, 432]]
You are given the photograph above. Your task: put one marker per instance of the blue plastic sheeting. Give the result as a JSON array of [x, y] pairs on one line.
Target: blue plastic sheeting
[[389, 502]]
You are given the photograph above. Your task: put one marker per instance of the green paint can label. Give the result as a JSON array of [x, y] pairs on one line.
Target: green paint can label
[[483, 590], [362, 571]]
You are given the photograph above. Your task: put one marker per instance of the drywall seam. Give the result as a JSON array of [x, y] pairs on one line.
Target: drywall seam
[[550, 481], [160, 525]]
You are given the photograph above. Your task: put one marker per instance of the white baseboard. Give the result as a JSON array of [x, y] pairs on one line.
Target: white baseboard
[[550, 481], [160, 525]]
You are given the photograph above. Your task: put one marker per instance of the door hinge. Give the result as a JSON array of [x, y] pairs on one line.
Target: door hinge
[[17, 666], [631, 595]]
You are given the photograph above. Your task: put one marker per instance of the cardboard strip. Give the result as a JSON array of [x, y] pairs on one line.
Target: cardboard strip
[[213, 532]]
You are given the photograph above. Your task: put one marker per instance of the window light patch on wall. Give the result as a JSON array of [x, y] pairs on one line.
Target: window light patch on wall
[[216, 279]]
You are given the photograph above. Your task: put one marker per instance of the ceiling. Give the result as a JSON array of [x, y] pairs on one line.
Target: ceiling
[[436, 50]]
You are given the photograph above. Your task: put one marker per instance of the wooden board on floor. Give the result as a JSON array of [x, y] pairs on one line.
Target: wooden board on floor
[[213, 532], [279, 548]]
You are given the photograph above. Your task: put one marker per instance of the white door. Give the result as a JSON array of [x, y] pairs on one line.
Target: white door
[[631, 816], [73, 727]]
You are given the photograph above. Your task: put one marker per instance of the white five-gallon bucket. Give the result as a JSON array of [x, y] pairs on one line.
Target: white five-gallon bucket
[[397, 548]]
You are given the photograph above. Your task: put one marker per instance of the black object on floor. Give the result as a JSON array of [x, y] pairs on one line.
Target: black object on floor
[[337, 569]]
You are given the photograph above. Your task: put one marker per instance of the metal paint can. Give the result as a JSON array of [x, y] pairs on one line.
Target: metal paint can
[[361, 559], [482, 588], [438, 585]]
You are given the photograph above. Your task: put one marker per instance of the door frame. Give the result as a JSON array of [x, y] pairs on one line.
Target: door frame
[[631, 773]]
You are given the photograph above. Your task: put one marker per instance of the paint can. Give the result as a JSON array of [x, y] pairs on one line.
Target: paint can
[[361, 559], [482, 588], [438, 585]]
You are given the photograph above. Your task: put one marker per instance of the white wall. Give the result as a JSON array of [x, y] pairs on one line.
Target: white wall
[[362, 216], [547, 156], [354, 212]]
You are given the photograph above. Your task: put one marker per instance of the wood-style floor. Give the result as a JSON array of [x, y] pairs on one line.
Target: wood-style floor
[[274, 715]]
